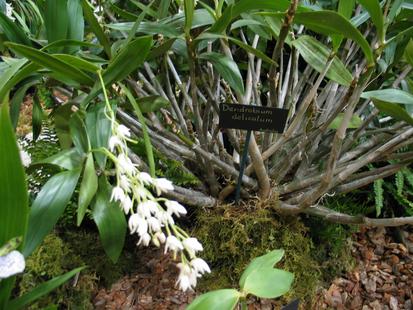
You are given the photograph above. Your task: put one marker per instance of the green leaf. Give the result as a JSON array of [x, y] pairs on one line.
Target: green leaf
[[243, 6], [394, 110], [37, 118], [264, 281], [48, 207], [189, 7], [407, 33], [41, 290], [265, 261], [56, 21], [88, 188], [7, 75], [355, 122], [94, 25], [76, 27], [61, 118], [147, 28], [227, 68], [163, 8], [246, 6], [68, 42], [394, 10], [408, 52], [24, 72], [152, 103], [17, 101], [146, 138], [161, 49], [221, 24], [316, 55], [225, 299], [374, 9], [13, 192], [79, 134], [78, 62], [50, 62], [246, 47], [389, 95], [345, 8], [145, 8], [127, 60], [329, 23], [269, 283], [110, 221], [67, 159], [13, 32], [122, 13], [99, 129]]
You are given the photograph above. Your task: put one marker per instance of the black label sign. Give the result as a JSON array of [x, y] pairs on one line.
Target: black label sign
[[251, 117]]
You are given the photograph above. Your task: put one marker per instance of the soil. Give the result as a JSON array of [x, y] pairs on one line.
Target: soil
[[382, 280]]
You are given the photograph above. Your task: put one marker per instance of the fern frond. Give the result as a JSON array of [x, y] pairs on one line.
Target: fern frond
[[378, 195], [399, 182]]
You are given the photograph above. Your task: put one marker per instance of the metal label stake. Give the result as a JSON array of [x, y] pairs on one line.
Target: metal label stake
[[242, 166]]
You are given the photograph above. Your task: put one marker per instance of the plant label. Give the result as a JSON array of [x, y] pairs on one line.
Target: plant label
[[252, 117]]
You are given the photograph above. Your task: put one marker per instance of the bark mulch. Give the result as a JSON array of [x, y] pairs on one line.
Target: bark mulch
[[382, 280], [383, 277]]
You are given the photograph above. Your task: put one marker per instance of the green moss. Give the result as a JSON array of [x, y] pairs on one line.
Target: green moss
[[51, 259], [333, 240], [88, 246], [232, 236], [61, 253]]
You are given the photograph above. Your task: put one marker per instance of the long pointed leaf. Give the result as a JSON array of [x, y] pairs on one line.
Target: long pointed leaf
[[88, 188], [389, 95], [329, 22], [50, 62], [374, 9], [94, 25], [10, 72], [394, 110], [316, 55], [110, 221], [56, 21], [76, 26], [227, 68], [13, 192], [99, 129], [12, 31], [48, 207], [127, 60], [345, 8], [42, 290]]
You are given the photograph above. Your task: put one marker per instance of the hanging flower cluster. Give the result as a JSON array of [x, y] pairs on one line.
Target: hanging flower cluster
[[24, 156], [11, 264], [151, 217], [9, 11]]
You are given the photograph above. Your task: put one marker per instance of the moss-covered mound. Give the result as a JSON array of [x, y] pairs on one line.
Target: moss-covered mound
[[61, 253], [232, 236]]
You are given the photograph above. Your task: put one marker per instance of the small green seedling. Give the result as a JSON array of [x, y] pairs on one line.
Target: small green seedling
[[260, 279]]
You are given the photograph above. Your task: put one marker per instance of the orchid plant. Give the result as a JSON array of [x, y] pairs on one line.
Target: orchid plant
[[151, 216]]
